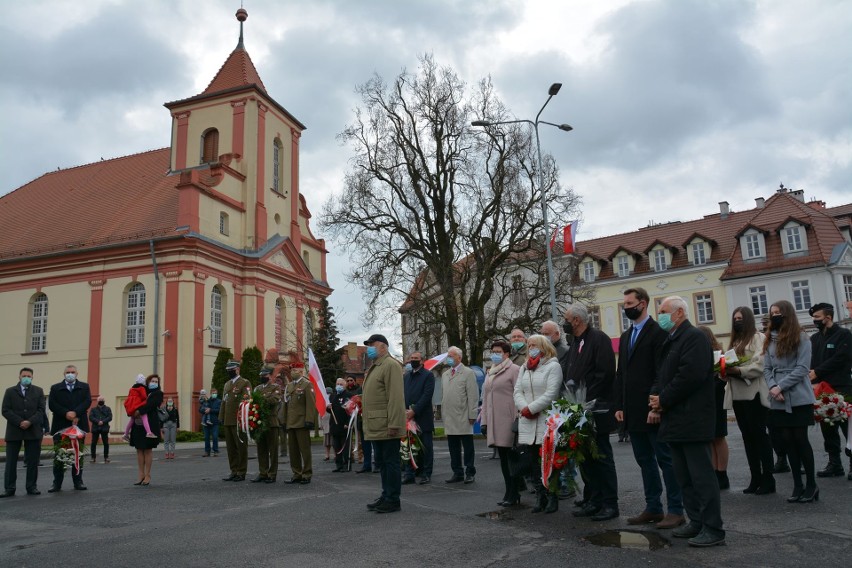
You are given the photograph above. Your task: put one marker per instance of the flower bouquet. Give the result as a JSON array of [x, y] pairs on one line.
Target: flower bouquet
[[723, 361], [69, 449], [831, 407], [353, 405], [570, 437], [411, 447], [259, 411]]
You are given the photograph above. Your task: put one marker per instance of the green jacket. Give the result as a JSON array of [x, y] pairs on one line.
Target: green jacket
[[383, 399], [300, 404], [272, 393], [233, 393]]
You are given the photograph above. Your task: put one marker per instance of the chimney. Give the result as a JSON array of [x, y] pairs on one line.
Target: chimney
[[759, 202], [817, 204], [724, 208], [799, 194]]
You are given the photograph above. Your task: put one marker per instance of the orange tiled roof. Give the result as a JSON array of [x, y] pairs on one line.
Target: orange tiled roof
[[237, 71], [123, 199]]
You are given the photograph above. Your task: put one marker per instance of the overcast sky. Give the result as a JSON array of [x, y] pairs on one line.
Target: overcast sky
[[676, 105]]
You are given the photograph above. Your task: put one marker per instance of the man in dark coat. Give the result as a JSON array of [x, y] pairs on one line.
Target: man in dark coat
[[684, 398], [23, 409], [591, 365], [831, 360], [418, 387], [69, 402], [99, 417], [638, 359]]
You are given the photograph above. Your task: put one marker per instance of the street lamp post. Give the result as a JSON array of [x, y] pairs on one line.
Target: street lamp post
[[554, 88]]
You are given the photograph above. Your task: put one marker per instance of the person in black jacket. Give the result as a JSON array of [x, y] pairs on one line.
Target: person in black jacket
[[638, 359], [23, 409], [419, 386], [69, 401], [138, 437], [100, 416], [831, 360], [339, 427], [683, 396], [591, 366]]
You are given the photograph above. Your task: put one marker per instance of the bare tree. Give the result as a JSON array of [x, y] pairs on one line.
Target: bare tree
[[435, 206]]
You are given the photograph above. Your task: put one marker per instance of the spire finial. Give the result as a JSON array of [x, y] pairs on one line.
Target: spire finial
[[242, 16]]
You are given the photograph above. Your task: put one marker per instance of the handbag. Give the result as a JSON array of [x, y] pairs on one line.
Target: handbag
[[522, 457], [162, 414]]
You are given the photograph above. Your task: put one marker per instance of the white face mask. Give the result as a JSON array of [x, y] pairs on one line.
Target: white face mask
[[70, 377]]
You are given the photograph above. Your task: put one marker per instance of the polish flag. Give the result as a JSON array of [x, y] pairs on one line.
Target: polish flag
[[430, 364], [319, 387], [569, 233]]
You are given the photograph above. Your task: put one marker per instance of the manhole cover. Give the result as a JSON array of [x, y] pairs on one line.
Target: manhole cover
[[634, 540]]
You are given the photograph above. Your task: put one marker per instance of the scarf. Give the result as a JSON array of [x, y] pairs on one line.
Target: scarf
[[498, 368], [532, 363]]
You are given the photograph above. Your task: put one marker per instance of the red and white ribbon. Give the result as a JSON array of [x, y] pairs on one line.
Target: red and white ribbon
[[548, 444], [243, 413]]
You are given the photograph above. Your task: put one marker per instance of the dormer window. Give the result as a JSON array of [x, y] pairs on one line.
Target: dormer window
[[794, 240], [659, 259], [589, 271], [623, 265], [698, 254], [752, 245]]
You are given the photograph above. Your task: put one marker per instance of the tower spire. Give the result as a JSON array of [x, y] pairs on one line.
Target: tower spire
[[242, 16]]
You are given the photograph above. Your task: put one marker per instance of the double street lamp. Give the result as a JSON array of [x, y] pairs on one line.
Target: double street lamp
[[554, 88]]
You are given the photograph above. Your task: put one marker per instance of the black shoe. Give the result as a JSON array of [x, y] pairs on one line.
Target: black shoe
[[239, 478], [833, 469], [230, 477], [269, 480], [767, 486], [339, 469], [752, 487], [363, 470], [387, 507], [7, 494], [510, 501], [605, 514], [810, 494], [552, 503], [469, 479], [707, 538], [259, 479], [797, 494], [54, 488], [689, 530], [408, 481], [372, 506], [293, 480], [80, 487], [305, 481], [781, 466], [454, 479], [587, 511], [424, 480], [33, 492]]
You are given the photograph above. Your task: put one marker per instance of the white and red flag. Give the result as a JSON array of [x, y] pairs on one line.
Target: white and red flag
[[569, 234], [430, 364], [319, 387]]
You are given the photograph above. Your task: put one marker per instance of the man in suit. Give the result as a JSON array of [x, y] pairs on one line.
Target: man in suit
[[235, 390], [591, 365], [638, 359], [683, 396], [460, 408], [267, 444], [69, 401], [419, 385], [23, 409], [300, 417], [384, 420]]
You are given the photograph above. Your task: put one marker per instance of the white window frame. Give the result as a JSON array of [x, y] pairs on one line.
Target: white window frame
[[38, 326], [216, 315], [847, 287], [759, 300], [134, 328], [698, 254], [625, 321], [793, 239], [801, 295], [589, 271], [623, 264], [752, 246], [704, 310], [595, 316], [660, 261]]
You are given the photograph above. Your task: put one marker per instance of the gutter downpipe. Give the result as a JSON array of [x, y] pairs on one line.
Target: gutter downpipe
[[156, 307]]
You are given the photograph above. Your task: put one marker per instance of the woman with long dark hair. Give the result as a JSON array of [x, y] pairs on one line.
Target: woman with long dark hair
[[138, 438], [787, 352], [748, 396]]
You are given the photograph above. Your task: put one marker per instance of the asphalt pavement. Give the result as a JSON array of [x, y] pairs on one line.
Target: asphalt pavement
[[189, 517]]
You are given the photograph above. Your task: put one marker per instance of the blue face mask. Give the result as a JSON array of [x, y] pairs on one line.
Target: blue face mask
[[408, 367], [372, 352], [535, 352], [496, 358], [26, 381], [666, 322], [339, 389], [153, 386], [70, 377], [450, 361]]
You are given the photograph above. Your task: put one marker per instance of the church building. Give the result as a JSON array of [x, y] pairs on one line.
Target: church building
[[151, 263]]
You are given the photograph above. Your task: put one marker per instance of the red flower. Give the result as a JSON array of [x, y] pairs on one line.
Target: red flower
[[573, 442], [825, 400]]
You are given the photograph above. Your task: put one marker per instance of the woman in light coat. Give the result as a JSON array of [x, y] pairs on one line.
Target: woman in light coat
[[747, 394], [498, 413], [537, 387], [787, 352]]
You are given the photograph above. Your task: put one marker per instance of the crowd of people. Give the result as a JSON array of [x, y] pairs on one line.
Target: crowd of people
[[663, 393]]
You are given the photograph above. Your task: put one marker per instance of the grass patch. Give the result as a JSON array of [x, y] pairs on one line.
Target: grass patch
[[187, 436]]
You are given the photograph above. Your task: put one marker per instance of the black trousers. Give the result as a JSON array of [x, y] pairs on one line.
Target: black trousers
[[599, 475], [455, 444], [693, 468], [341, 445], [104, 436], [831, 438], [59, 473], [32, 450], [511, 483], [751, 418]]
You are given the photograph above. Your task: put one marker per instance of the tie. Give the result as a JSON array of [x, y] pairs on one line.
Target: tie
[[453, 373], [24, 391], [633, 339]]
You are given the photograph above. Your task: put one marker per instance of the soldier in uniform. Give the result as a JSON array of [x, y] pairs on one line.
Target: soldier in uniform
[[234, 392], [300, 416], [267, 444]]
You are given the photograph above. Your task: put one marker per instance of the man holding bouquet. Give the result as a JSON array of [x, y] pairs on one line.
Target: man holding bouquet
[[69, 402], [419, 384], [267, 443]]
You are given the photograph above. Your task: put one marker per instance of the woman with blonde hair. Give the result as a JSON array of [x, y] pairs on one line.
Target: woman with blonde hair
[[538, 385]]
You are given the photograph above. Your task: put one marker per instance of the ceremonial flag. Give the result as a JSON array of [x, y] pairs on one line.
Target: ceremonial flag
[[569, 233], [319, 387], [430, 364]]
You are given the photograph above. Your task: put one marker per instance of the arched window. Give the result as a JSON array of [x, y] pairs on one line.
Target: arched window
[[209, 146], [38, 329], [134, 329], [279, 324], [277, 162], [216, 311]]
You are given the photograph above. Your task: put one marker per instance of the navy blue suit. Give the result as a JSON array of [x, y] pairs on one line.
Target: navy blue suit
[[419, 386], [62, 400]]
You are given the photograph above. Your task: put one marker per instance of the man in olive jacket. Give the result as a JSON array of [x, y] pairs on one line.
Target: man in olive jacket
[[300, 416], [683, 395], [384, 420], [234, 392], [267, 443], [23, 409]]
